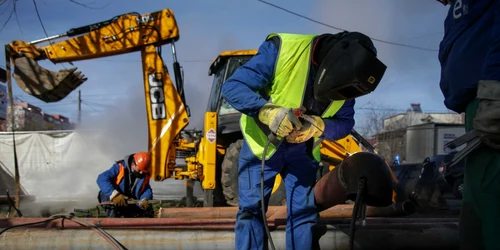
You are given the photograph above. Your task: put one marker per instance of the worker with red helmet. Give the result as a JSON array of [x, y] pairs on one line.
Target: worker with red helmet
[[127, 179]]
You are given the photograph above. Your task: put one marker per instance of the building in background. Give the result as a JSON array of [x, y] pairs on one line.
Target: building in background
[[29, 117], [428, 139], [415, 116], [392, 139]]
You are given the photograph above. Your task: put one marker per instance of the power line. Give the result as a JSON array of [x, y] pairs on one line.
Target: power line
[[43, 26], [341, 29], [50, 42], [91, 106], [10, 16], [40, 19]]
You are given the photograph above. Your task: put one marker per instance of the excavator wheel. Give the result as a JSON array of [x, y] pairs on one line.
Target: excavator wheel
[[229, 179], [44, 84]]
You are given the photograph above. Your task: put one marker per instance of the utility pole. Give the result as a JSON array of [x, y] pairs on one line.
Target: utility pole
[[79, 107]]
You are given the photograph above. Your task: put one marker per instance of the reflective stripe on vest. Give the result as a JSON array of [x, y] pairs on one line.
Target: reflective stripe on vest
[[121, 174], [287, 90]]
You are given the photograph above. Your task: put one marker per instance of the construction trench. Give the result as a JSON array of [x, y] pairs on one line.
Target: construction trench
[[403, 225]]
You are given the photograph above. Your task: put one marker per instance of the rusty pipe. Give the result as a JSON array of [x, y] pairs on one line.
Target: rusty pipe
[[345, 211], [280, 212], [342, 183], [208, 212], [329, 191], [199, 224], [121, 222]]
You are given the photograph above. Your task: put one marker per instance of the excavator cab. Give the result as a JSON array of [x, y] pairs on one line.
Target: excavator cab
[[222, 68]]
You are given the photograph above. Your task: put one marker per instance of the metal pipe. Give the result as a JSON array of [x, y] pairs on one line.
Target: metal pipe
[[279, 212], [443, 236], [198, 224], [50, 38], [208, 212], [329, 192], [174, 52], [123, 222]]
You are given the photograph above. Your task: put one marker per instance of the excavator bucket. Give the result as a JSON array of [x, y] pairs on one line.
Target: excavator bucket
[[44, 84]]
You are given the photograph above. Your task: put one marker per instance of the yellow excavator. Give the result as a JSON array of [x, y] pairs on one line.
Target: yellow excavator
[[211, 154]]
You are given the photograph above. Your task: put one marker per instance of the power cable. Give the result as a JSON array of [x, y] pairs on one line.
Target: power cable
[[10, 15], [44, 30], [341, 29], [92, 107], [115, 243], [262, 197]]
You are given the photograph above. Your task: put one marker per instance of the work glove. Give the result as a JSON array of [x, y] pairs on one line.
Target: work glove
[[144, 204], [119, 200], [313, 127], [277, 118], [487, 120]]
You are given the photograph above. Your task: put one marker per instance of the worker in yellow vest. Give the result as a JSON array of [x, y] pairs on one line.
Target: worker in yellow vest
[[127, 179], [320, 73]]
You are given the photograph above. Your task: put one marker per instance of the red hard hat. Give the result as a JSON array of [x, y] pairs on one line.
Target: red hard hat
[[142, 160]]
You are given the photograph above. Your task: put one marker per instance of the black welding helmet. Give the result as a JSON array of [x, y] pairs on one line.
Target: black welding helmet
[[349, 69]]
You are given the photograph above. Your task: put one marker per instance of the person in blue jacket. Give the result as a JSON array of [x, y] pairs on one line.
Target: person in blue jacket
[[319, 73], [127, 179], [469, 54]]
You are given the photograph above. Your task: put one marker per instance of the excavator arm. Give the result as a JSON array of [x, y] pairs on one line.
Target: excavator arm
[[167, 112], [122, 34]]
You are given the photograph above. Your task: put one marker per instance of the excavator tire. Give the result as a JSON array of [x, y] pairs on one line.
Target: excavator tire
[[229, 178]]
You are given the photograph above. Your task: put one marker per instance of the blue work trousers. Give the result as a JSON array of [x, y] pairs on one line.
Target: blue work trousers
[[298, 170]]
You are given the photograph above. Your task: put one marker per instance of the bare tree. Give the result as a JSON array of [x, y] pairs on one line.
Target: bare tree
[[392, 138], [388, 127], [372, 121]]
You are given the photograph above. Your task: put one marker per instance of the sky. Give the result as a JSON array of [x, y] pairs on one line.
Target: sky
[[210, 27]]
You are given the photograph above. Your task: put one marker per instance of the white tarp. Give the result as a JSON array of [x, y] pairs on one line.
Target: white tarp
[[64, 165], [54, 165]]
